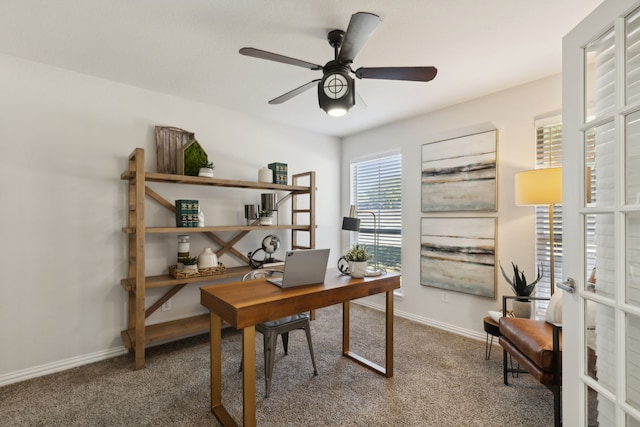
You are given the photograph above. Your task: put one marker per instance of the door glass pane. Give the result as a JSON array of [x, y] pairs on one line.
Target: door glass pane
[[633, 361], [599, 77], [632, 158], [632, 422], [600, 255], [600, 165], [600, 411], [590, 167], [632, 57], [632, 259], [600, 343]]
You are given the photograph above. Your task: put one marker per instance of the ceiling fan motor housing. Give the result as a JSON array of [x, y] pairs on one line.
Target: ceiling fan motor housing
[[336, 89], [336, 93]]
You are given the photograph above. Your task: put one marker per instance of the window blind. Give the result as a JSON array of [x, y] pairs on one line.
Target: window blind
[[376, 190], [548, 155]]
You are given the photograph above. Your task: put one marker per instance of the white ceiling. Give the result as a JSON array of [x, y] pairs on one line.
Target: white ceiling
[[189, 48]]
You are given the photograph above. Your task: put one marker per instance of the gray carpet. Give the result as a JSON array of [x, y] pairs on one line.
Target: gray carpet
[[441, 379]]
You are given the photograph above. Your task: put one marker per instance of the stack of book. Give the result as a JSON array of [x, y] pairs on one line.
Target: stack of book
[[186, 213], [279, 172]]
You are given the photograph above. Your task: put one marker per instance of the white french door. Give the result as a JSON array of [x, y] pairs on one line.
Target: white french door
[[601, 229]]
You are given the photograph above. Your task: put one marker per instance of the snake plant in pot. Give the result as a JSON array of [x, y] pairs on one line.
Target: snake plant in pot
[[520, 287]]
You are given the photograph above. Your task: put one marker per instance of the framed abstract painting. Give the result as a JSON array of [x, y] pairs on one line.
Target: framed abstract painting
[[459, 174], [459, 254]]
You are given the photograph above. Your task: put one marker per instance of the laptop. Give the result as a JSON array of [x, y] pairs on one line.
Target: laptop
[[303, 267]]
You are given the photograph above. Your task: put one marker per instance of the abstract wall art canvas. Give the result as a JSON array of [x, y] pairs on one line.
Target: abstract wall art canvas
[[459, 174], [459, 254]]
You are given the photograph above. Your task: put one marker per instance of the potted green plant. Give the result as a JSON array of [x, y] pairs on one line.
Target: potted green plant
[[206, 169], [190, 262], [520, 287], [265, 217], [357, 256]]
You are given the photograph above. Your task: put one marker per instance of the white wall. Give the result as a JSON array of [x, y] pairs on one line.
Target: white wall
[[512, 112], [65, 140]]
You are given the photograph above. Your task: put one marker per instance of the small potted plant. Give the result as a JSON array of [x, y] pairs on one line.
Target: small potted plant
[[206, 169], [265, 217], [520, 287], [357, 256], [190, 263]]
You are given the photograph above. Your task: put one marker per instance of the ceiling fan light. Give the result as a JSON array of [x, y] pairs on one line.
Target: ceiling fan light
[[337, 111]]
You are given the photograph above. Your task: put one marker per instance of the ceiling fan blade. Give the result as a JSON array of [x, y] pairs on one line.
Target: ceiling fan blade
[[418, 74], [270, 56], [361, 27], [297, 91]]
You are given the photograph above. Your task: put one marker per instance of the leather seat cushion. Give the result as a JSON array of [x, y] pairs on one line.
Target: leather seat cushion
[[532, 338]]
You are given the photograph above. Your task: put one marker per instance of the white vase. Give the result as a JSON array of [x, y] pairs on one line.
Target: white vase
[[265, 175], [207, 259], [357, 269]]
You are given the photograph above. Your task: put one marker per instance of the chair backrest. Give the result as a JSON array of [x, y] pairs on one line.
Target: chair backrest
[[261, 273]]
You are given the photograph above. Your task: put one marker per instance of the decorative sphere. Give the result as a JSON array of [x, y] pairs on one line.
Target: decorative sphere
[[271, 243]]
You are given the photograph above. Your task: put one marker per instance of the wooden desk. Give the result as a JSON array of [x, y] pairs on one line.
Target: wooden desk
[[244, 304]]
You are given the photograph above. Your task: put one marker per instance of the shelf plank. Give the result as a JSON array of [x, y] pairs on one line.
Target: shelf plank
[[168, 280], [216, 228], [164, 331], [214, 182]]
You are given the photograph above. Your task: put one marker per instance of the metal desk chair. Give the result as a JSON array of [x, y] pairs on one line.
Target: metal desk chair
[[271, 329]]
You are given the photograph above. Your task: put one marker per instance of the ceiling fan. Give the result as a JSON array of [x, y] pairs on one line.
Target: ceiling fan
[[336, 88]]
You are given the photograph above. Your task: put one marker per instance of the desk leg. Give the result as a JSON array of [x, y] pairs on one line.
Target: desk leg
[[345, 328], [389, 333], [387, 371], [249, 376], [216, 372]]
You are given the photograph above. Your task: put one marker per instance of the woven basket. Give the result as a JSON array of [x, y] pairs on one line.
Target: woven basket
[[201, 272]]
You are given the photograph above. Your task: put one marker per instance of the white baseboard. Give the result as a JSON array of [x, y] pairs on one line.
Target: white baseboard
[[426, 321], [61, 365]]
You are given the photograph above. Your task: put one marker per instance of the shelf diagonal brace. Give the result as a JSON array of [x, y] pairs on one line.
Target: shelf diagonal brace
[[158, 198], [228, 246], [156, 305]]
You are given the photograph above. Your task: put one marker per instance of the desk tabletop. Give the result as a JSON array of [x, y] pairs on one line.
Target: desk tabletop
[[247, 303]]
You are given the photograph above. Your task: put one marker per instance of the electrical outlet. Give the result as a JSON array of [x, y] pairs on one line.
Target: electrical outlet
[[445, 297], [166, 306]]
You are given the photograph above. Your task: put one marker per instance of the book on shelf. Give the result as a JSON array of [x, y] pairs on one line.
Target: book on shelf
[[279, 172], [187, 213]]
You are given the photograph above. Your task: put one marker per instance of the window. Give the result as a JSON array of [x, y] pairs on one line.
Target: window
[[376, 190], [548, 155]]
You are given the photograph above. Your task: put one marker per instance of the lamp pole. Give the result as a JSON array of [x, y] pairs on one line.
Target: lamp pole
[[375, 236], [551, 250]]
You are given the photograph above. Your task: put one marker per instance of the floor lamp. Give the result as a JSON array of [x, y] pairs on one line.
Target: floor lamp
[[541, 187], [352, 223]]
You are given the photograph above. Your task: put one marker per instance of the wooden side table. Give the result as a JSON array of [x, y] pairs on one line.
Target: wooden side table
[[491, 328]]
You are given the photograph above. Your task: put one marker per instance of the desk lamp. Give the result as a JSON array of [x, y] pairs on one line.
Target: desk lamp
[[352, 223]]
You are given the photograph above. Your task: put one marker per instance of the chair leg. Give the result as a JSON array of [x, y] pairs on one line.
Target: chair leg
[[307, 329], [270, 342], [504, 367], [557, 406], [285, 342]]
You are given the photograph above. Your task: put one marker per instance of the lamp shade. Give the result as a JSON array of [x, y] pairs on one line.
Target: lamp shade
[[539, 187], [350, 224]]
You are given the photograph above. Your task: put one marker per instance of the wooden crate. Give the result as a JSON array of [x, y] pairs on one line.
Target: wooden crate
[[169, 141]]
